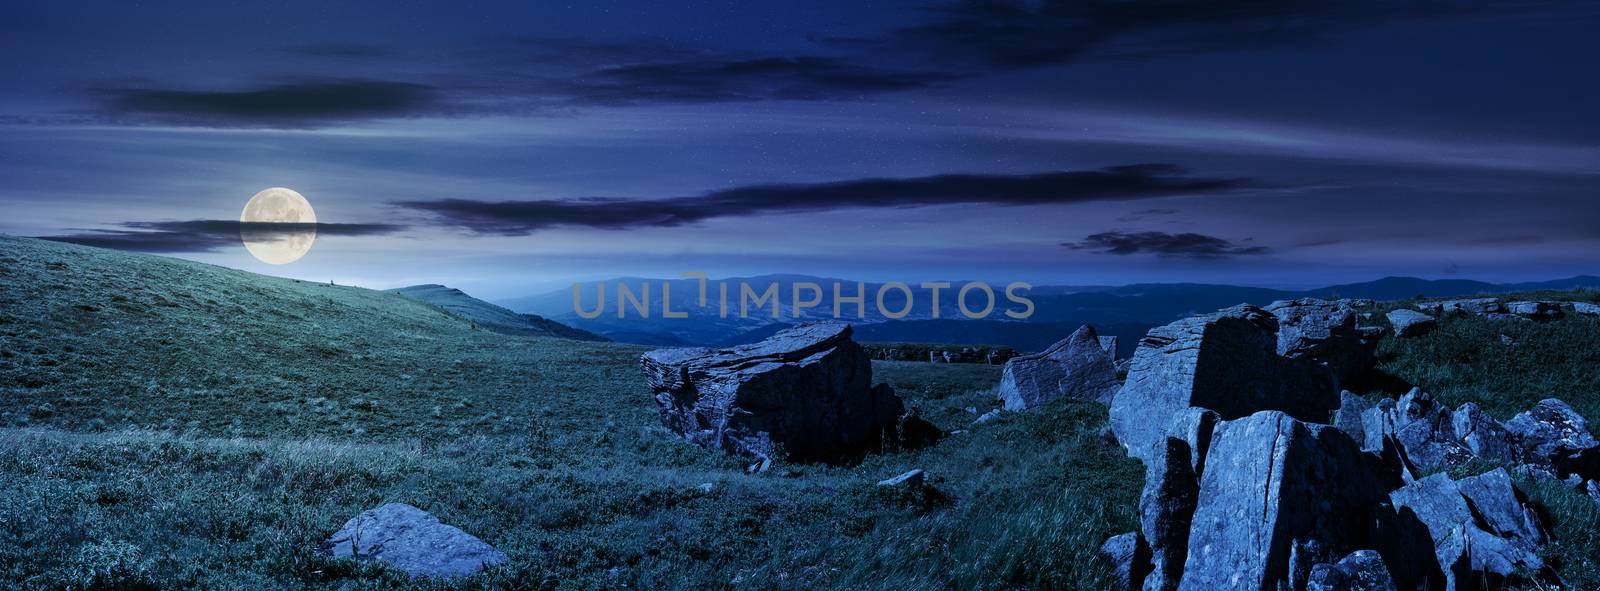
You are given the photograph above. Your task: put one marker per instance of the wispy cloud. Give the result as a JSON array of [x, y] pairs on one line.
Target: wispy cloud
[[207, 235], [1186, 245], [1138, 181], [306, 103]]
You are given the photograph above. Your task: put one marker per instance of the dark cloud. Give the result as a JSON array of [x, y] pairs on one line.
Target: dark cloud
[[206, 235], [305, 103], [1016, 34], [1115, 183], [756, 79], [1185, 245]]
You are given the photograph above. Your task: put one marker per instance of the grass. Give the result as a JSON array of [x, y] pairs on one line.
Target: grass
[[166, 424], [176, 425], [1465, 360]]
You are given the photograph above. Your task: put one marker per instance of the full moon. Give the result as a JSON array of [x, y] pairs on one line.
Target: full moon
[[278, 205]]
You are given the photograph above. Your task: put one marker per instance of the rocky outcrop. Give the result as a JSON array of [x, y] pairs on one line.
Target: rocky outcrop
[[1455, 515], [1227, 362], [1323, 331], [1273, 487], [806, 391], [411, 540], [1536, 310], [1080, 367], [1585, 309], [1473, 306], [1410, 323]]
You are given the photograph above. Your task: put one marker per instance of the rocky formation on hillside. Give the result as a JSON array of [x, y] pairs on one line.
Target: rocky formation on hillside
[[1081, 366], [412, 540], [1251, 496], [806, 392], [1326, 332], [1227, 362]]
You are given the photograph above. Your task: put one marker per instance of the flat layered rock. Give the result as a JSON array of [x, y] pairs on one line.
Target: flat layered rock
[[1227, 362], [1537, 310], [1410, 323], [412, 540], [1079, 367], [806, 391]]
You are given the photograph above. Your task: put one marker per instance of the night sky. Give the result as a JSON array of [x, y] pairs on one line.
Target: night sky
[[513, 147]]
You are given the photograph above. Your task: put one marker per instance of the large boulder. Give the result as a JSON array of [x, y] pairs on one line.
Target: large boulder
[[1548, 430], [411, 540], [1455, 515], [1273, 486], [1585, 309], [1172, 486], [1410, 323], [1426, 433], [1227, 362], [1079, 367], [1323, 331], [806, 391], [1349, 416]]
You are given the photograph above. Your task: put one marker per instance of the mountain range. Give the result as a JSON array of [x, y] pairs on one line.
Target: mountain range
[[1125, 311]]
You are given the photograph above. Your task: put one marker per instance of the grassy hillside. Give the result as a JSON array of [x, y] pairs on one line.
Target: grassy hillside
[[180, 425], [490, 316]]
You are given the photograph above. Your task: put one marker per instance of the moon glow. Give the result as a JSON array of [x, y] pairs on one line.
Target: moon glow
[[278, 205]]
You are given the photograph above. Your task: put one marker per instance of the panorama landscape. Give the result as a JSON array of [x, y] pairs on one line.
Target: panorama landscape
[[926, 295]]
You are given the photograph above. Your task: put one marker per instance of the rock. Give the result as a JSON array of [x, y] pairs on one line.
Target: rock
[[1507, 340], [1128, 558], [706, 487], [1484, 436], [1194, 427], [1349, 416], [912, 478], [1227, 362], [1425, 432], [1504, 316], [806, 391], [1379, 423], [987, 417], [1474, 306], [1110, 346], [1166, 507], [1539, 310], [1362, 570], [1469, 556], [1503, 510], [1076, 367], [1585, 309], [1323, 331], [1408, 323], [1547, 429], [1429, 443], [1271, 482], [411, 540]]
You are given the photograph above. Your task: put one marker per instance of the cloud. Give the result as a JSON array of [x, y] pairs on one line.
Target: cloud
[[1186, 245], [1116, 183], [806, 78], [206, 235], [1015, 34], [306, 103]]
